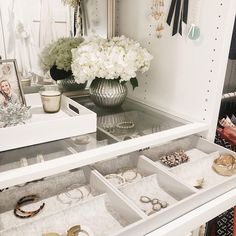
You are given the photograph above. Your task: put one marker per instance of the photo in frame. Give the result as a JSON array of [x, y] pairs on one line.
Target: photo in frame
[[10, 87]]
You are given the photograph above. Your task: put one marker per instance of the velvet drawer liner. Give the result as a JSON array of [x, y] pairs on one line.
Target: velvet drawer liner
[[169, 184], [103, 212], [115, 209], [97, 214]]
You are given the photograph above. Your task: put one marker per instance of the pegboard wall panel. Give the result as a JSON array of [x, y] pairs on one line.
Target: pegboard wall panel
[[186, 77]]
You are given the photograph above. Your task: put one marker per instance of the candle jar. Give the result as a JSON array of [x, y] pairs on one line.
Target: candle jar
[[51, 99]]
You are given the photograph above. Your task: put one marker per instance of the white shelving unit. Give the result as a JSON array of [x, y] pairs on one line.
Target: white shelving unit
[[184, 84]]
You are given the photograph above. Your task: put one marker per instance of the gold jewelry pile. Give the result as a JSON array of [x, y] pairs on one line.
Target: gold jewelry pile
[[225, 165], [174, 159]]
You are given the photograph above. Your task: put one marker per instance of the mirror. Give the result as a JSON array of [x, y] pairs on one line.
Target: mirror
[[26, 26]]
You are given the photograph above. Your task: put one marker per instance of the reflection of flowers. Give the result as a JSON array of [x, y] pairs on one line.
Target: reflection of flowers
[[58, 54], [13, 114], [6, 69]]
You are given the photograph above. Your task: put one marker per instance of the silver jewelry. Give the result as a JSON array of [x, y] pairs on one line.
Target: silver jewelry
[[125, 125], [156, 204], [81, 140], [127, 177], [23, 162], [89, 190], [39, 158], [68, 194], [156, 207], [163, 204], [127, 138], [155, 201], [130, 174], [145, 199], [121, 180], [68, 202]]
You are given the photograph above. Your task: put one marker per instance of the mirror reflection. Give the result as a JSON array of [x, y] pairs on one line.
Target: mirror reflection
[[27, 26]]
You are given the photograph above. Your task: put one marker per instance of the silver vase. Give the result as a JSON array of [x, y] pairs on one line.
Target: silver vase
[[107, 92], [69, 84]]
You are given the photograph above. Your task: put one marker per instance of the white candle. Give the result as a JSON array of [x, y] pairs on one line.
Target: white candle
[[51, 101]]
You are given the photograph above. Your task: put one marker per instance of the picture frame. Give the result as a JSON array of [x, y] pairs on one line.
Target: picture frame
[[10, 85]]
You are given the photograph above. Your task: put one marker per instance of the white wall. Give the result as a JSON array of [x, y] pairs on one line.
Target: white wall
[[186, 77]]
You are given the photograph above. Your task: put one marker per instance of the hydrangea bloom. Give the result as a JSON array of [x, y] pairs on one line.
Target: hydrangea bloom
[[117, 58], [58, 53]]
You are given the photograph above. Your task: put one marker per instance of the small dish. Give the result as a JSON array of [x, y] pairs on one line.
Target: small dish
[[225, 165]]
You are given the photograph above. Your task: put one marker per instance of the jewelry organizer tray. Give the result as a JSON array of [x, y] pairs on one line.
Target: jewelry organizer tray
[[72, 119], [112, 205], [131, 120], [97, 209]]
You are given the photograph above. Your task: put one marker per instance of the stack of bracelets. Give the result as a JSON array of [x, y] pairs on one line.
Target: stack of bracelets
[[18, 212], [68, 198], [125, 175]]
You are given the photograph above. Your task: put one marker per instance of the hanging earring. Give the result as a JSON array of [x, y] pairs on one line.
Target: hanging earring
[[194, 30]]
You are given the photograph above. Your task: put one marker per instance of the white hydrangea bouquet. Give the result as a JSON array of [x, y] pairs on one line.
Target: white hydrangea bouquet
[[116, 58]]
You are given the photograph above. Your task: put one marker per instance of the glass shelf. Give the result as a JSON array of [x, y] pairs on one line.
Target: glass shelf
[[144, 119]]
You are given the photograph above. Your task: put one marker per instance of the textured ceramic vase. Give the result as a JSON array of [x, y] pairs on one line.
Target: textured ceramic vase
[[65, 80], [69, 84], [107, 93]]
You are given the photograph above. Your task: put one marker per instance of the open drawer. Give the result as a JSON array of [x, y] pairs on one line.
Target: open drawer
[[146, 175], [113, 192]]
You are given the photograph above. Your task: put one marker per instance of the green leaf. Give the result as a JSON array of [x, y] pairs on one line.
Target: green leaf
[[134, 82], [123, 82]]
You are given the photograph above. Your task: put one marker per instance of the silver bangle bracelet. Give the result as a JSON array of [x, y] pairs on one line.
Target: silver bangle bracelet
[[121, 179], [125, 125]]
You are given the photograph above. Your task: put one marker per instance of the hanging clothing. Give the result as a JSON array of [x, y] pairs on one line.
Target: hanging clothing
[[222, 225], [46, 30], [232, 52]]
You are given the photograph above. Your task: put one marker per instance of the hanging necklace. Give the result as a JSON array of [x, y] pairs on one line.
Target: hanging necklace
[[194, 30], [178, 11], [158, 15]]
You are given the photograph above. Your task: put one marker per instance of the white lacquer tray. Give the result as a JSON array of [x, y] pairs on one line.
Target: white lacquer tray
[[73, 119]]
